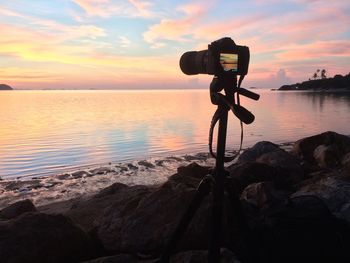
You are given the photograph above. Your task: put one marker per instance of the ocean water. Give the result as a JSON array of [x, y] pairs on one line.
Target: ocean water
[[49, 132]]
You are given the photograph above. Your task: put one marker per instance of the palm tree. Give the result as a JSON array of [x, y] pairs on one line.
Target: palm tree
[[315, 75], [323, 74]]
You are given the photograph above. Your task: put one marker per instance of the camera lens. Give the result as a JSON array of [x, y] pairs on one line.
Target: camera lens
[[194, 62]]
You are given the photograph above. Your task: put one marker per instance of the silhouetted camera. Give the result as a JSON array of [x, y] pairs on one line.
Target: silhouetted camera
[[223, 56]]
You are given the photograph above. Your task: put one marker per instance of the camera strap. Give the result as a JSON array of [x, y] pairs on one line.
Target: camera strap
[[216, 117]]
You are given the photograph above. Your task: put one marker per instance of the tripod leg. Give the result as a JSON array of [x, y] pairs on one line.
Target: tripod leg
[[236, 206], [202, 190], [243, 232]]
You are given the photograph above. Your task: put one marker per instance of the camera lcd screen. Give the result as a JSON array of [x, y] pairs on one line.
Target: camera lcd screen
[[229, 62]]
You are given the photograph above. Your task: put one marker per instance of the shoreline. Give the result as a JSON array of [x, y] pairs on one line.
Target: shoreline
[[87, 180]]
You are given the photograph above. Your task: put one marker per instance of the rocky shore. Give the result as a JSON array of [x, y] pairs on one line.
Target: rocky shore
[[288, 206]]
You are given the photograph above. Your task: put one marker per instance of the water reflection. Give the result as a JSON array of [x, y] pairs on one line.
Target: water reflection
[[45, 131]]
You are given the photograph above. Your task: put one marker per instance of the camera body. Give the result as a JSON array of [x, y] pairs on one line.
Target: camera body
[[222, 57]]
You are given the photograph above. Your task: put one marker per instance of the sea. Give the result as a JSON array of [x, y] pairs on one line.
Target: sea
[[47, 132]]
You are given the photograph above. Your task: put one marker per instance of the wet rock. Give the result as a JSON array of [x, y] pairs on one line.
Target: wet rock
[[100, 171], [257, 150], [131, 166], [174, 158], [16, 209], [80, 174], [18, 185], [121, 168], [197, 157], [146, 164], [159, 162], [305, 148], [37, 237], [64, 176]]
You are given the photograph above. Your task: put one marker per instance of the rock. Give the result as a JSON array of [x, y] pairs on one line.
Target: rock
[[301, 231], [346, 163], [146, 164], [99, 171], [16, 209], [122, 226], [257, 150], [80, 174], [131, 166], [145, 222], [19, 185], [87, 212], [334, 190], [244, 174], [263, 195], [305, 148], [37, 237], [63, 176], [283, 161], [327, 155]]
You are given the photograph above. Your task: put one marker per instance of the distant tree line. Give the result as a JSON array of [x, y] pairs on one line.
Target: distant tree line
[[320, 82]]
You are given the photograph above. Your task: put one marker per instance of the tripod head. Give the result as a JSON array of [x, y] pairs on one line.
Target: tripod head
[[226, 102], [228, 83]]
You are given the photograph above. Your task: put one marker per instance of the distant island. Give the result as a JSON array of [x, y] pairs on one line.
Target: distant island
[[5, 87], [338, 82]]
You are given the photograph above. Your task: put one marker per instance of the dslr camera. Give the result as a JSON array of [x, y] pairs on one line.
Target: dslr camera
[[223, 57]]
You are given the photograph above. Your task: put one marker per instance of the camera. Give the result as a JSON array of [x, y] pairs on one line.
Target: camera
[[223, 57]]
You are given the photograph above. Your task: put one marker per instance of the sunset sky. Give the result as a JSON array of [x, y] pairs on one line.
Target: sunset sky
[[111, 44]]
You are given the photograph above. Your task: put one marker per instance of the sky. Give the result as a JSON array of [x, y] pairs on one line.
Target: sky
[[136, 44]]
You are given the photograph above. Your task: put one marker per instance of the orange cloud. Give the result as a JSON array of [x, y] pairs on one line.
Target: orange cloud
[[176, 29]]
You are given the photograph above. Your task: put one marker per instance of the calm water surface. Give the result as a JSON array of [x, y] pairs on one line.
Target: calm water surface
[[47, 132]]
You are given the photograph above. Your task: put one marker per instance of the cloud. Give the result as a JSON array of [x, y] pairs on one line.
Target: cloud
[[176, 29], [143, 7], [124, 42], [101, 8], [107, 8]]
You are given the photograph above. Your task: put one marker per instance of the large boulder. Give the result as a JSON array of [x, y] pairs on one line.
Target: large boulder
[[327, 155], [305, 148], [263, 195], [260, 148], [334, 189], [144, 222], [244, 174], [17, 209], [302, 230], [272, 155], [38, 237]]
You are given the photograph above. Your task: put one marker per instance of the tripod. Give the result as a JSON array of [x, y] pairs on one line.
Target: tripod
[[217, 181]]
